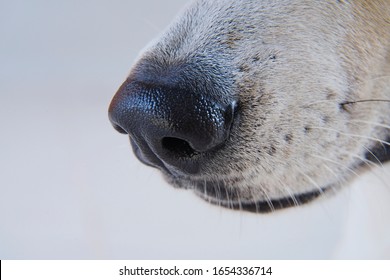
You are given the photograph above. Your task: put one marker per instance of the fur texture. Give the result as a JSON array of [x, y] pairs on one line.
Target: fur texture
[[312, 83]]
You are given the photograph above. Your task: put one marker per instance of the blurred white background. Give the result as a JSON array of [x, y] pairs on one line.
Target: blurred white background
[[70, 187]]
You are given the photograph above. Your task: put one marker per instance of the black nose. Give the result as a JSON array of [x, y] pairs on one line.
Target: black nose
[[172, 126]]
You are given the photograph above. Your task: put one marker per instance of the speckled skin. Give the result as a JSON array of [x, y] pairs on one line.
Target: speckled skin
[[294, 68]]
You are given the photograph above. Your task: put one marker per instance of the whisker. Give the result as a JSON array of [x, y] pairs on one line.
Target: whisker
[[256, 204], [353, 135], [369, 163], [380, 177], [269, 202], [340, 180], [383, 143], [303, 166], [292, 195], [374, 156], [331, 171], [364, 100], [367, 122], [219, 195], [337, 163], [205, 188], [239, 201], [228, 200], [312, 181], [366, 161]]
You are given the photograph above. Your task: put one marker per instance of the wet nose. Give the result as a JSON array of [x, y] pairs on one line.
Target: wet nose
[[172, 127]]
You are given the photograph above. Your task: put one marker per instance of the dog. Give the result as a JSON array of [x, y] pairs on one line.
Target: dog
[[262, 105]]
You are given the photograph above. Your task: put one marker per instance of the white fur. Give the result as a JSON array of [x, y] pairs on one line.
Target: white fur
[[291, 64]]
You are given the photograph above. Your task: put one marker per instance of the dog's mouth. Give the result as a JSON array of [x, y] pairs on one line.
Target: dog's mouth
[[220, 194]]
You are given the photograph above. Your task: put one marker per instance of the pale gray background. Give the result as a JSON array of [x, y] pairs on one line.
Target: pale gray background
[[70, 186]]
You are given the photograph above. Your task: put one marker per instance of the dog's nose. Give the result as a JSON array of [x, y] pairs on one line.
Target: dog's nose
[[171, 126]]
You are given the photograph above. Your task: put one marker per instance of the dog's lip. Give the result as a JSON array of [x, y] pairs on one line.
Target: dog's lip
[[216, 193], [270, 205]]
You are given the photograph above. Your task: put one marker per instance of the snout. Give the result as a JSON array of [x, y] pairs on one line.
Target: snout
[[174, 122]]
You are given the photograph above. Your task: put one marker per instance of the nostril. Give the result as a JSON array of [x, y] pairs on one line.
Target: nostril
[[119, 128], [178, 147]]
